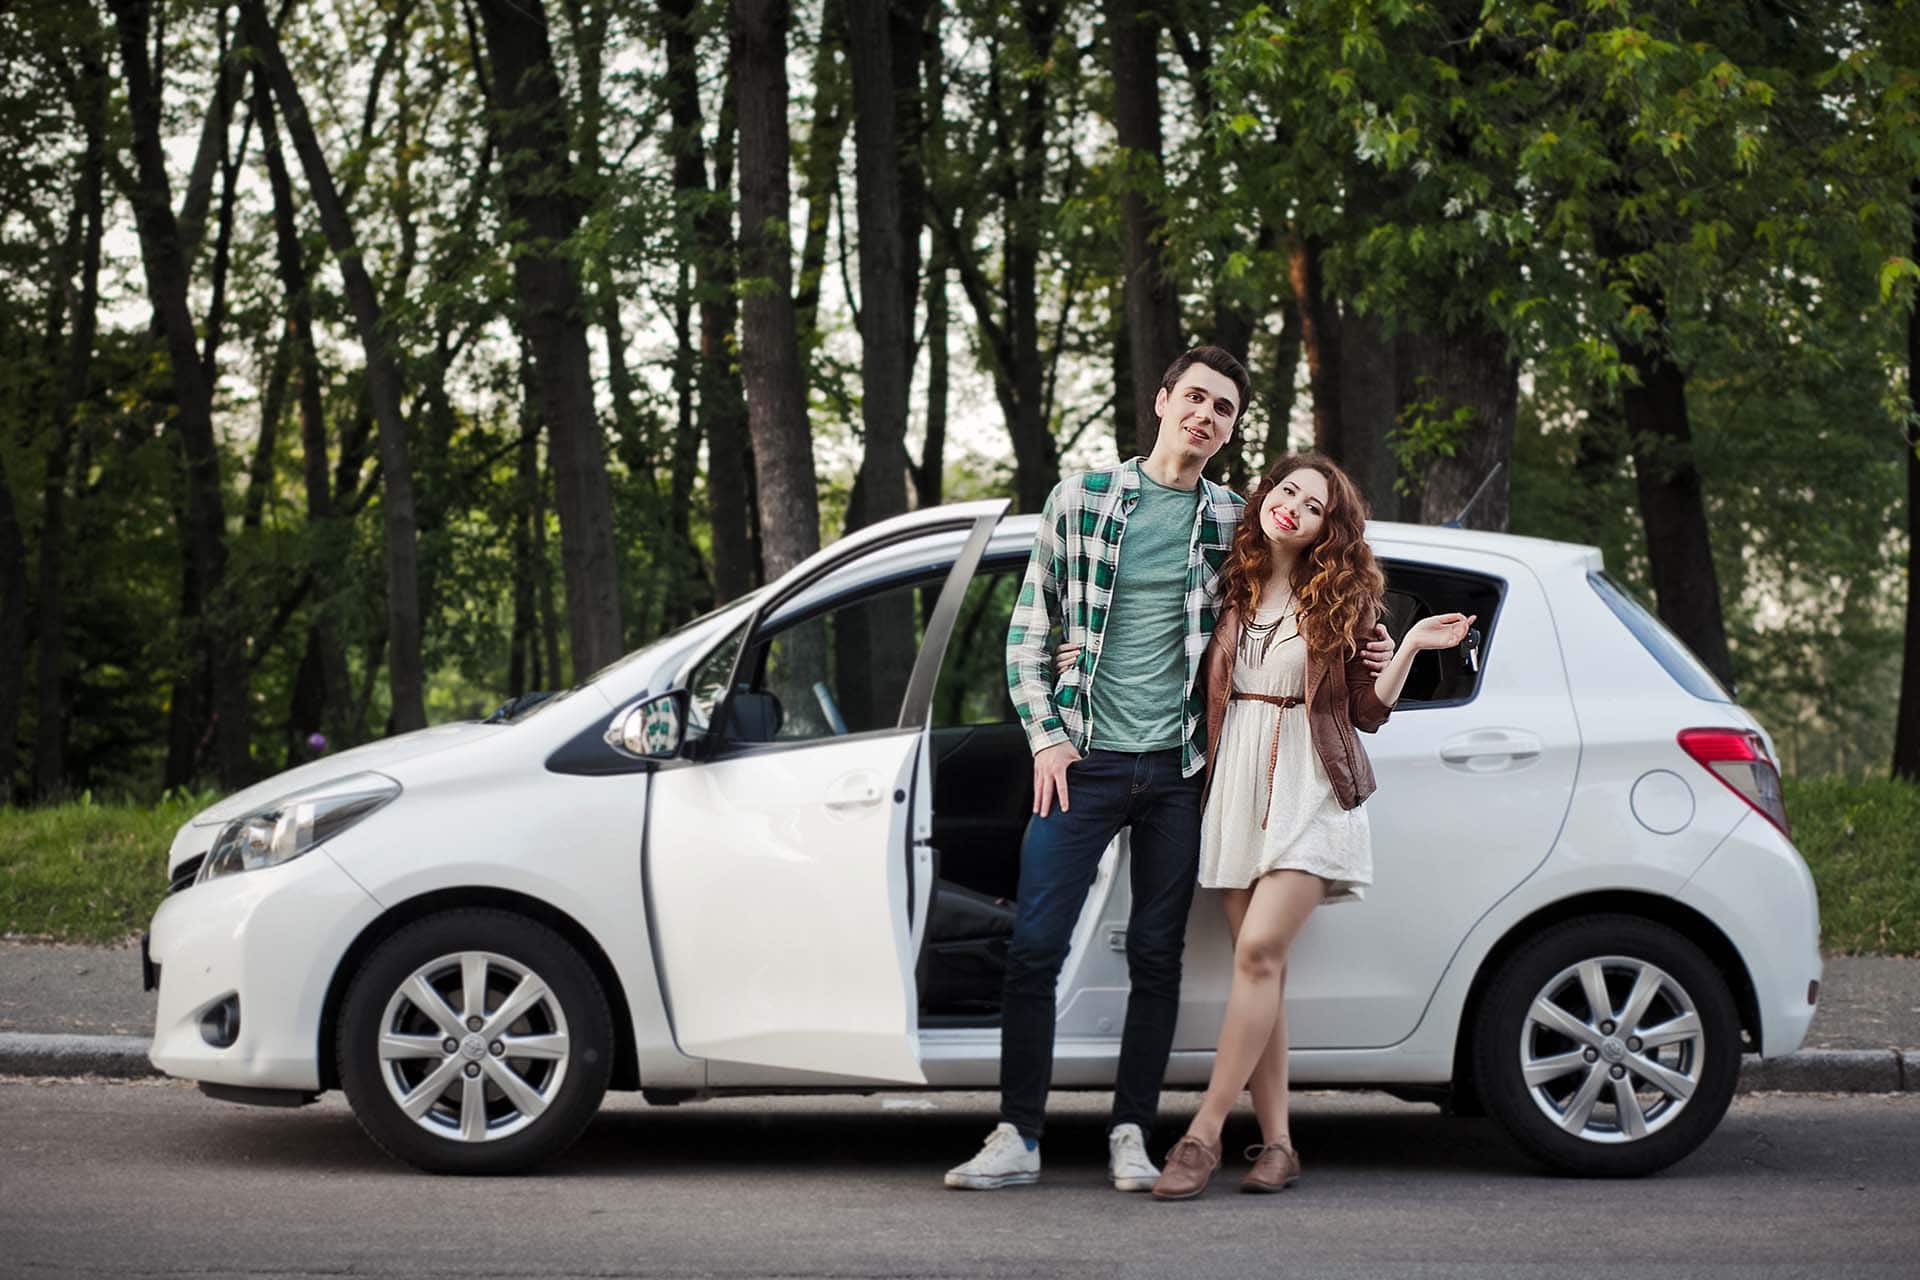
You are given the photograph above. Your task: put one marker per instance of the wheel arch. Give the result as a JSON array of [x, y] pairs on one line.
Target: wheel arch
[[626, 1057], [1682, 919]]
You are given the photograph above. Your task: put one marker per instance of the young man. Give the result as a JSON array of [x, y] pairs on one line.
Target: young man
[[1121, 741]]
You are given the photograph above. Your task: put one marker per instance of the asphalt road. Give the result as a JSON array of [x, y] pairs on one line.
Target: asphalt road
[[151, 1179]]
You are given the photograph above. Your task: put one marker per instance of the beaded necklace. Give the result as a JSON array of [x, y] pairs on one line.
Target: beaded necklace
[[1257, 638]]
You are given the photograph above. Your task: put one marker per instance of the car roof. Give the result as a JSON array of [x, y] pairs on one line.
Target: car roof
[[1016, 533], [895, 554]]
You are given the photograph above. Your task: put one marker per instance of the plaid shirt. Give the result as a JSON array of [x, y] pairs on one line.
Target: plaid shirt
[[1071, 578]]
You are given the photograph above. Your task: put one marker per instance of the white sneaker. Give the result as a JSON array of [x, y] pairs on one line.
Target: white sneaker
[[1005, 1161], [1127, 1163]]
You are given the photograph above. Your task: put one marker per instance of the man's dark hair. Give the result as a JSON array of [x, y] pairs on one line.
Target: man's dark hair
[[1222, 362]]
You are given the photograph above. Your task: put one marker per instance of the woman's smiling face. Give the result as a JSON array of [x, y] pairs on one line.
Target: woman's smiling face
[[1295, 510]]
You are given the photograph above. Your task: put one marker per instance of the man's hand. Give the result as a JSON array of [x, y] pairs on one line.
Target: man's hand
[[1378, 652], [1063, 659], [1050, 776]]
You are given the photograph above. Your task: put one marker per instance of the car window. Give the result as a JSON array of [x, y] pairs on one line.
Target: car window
[[1667, 649], [838, 671], [709, 681], [972, 689], [1416, 591]]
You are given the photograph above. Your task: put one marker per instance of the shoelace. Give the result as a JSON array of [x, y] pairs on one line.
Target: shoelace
[[1194, 1153], [1002, 1140], [1259, 1149]]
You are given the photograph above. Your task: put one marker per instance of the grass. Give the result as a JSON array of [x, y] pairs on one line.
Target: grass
[[1862, 841], [85, 872]]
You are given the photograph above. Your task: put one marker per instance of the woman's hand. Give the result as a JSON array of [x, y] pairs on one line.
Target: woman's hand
[[1441, 631], [1064, 657]]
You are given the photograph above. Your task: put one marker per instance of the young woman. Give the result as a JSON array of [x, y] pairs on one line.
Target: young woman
[[1283, 828]]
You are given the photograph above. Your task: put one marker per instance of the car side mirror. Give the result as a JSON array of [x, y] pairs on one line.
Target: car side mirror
[[651, 730]]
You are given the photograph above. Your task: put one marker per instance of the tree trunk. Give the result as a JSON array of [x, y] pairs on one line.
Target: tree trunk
[[1673, 507], [1282, 388], [217, 684], [543, 215], [529, 567], [1010, 331], [885, 360], [13, 632], [324, 702], [820, 165], [1468, 371], [1320, 341], [406, 674], [929, 478], [683, 593], [50, 731], [1369, 407], [723, 410], [1906, 740], [1154, 331], [769, 349]]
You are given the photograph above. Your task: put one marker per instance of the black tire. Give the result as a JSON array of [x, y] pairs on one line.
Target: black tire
[[1604, 1146], [573, 1013]]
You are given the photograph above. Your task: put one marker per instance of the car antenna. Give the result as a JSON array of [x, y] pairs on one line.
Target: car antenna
[[1462, 513]]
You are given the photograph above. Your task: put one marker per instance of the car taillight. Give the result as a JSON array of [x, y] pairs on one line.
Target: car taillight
[[1738, 757]]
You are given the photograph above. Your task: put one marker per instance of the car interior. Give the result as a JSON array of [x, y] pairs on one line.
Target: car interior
[[845, 668]]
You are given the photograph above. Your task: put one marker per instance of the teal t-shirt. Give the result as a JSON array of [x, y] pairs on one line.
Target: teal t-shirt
[[1139, 686]]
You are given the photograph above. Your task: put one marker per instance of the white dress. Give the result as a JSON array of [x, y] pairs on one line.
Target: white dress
[[1305, 827]]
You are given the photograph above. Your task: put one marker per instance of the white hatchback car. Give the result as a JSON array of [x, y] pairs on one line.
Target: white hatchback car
[[778, 849]]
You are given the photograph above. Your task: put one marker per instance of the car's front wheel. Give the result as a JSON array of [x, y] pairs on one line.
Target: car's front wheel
[[1608, 1046], [475, 1041]]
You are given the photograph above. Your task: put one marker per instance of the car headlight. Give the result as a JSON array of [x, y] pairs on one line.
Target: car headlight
[[293, 824]]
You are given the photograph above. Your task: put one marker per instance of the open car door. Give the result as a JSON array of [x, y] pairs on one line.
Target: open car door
[[787, 857]]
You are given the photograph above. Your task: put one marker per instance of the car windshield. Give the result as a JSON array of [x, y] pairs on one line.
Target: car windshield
[[529, 705]]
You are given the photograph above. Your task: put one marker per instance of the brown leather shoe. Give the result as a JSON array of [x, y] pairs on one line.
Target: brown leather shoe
[[1187, 1168], [1275, 1168]]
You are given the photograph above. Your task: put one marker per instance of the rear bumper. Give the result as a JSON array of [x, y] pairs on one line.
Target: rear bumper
[[272, 938], [1758, 889]]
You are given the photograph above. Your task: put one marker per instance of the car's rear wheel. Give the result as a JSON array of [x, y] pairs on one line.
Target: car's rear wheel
[[1608, 1046], [475, 1041]]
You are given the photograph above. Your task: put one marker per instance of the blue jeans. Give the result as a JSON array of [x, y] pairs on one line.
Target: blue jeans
[[1058, 860]]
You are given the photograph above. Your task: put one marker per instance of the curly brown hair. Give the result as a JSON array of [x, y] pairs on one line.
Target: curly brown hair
[[1337, 583]]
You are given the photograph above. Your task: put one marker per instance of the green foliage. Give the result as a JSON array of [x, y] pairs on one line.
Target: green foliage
[[95, 872], [1858, 839], [87, 872]]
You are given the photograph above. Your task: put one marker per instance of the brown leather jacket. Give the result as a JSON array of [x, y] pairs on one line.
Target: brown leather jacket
[[1340, 699]]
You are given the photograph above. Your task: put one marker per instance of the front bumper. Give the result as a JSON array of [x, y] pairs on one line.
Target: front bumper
[[273, 938], [1757, 888]]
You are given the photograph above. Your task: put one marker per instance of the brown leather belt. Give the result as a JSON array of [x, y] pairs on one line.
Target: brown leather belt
[[1282, 701]]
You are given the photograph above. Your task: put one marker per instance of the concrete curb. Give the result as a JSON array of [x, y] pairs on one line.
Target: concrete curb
[[1834, 1071], [24, 1053]]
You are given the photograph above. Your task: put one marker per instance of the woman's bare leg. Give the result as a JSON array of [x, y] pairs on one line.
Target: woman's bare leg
[[1278, 905], [1269, 1081]]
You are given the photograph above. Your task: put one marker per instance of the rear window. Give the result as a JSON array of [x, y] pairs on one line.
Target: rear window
[[1673, 656]]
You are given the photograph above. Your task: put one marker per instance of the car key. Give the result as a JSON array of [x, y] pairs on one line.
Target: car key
[[1471, 645]]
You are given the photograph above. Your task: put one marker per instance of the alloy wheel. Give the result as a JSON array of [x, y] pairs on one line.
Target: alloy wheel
[[473, 1046], [1612, 1049]]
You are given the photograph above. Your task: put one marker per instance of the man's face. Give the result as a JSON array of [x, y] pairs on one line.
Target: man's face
[[1198, 414]]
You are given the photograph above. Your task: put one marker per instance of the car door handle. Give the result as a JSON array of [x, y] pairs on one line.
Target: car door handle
[[1486, 750], [854, 790]]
